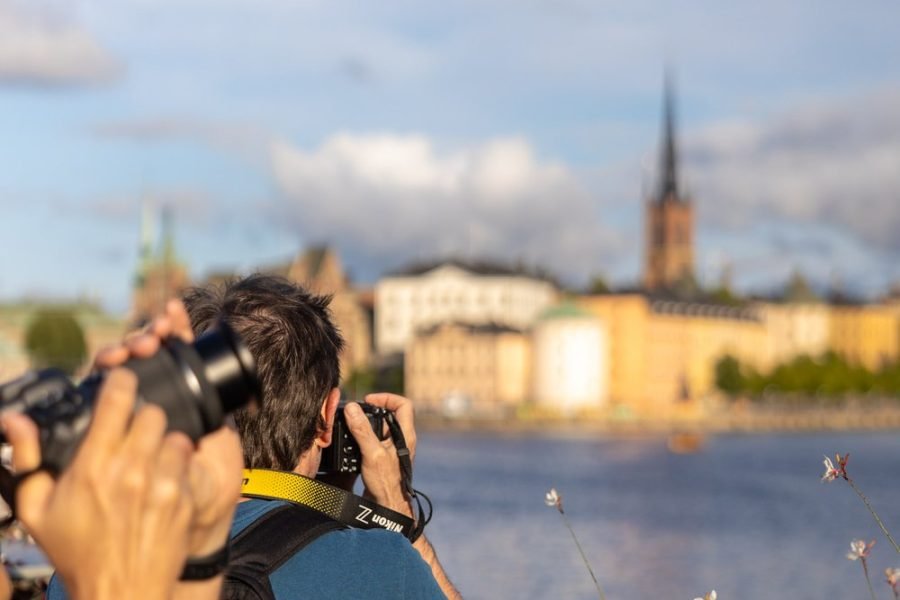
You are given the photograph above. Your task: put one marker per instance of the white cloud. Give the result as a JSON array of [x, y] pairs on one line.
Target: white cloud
[[390, 199], [833, 164], [38, 49]]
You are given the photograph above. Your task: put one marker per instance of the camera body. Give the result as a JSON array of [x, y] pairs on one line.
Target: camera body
[[343, 455], [196, 385]]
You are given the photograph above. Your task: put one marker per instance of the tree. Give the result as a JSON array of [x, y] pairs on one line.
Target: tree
[[55, 339], [598, 285], [359, 383], [799, 290], [728, 375]]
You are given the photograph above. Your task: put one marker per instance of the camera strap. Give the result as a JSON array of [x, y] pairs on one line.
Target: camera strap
[[406, 474], [334, 502]]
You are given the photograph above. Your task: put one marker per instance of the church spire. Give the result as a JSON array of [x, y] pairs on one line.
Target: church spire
[[669, 168], [669, 257], [168, 256], [145, 249]]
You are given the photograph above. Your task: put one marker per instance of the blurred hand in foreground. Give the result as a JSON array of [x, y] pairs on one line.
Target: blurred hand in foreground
[[216, 465], [118, 519]]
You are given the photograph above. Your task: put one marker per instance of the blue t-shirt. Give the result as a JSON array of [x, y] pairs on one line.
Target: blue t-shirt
[[348, 563]]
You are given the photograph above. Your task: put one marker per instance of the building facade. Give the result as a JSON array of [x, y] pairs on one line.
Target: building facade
[[662, 353], [571, 373], [460, 369], [455, 292], [866, 335], [319, 269], [794, 329]]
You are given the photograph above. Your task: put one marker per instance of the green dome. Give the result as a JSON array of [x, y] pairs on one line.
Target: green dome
[[565, 310]]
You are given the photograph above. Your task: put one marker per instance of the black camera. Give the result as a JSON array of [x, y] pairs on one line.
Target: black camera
[[197, 385], [343, 455]]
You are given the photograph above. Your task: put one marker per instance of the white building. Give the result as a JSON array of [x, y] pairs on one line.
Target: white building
[[455, 292], [794, 329], [571, 362]]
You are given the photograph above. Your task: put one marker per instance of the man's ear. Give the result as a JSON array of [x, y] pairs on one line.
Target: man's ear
[[329, 407]]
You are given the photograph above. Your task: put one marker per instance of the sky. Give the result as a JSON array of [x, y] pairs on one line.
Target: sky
[[520, 131]]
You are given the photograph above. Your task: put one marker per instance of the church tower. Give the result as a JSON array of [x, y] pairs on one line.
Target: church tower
[[669, 221], [161, 276]]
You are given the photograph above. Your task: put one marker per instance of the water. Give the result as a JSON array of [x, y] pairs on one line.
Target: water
[[747, 516]]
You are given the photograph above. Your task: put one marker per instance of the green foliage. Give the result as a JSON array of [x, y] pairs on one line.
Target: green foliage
[[687, 287], [724, 295], [799, 290], [829, 376], [365, 381], [390, 380], [598, 285], [359, 383], [728, 375], [55, 339]]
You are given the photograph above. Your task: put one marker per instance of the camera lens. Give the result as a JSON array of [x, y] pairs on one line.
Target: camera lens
[[229, 367], [196, 385]]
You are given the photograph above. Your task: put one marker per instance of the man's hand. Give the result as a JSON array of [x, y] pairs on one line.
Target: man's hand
[[380, 464], [117, 520], [381, 470], [215, 469]]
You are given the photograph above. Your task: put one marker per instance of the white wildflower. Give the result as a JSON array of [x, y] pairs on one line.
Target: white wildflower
[[859, 549], [552, 498]]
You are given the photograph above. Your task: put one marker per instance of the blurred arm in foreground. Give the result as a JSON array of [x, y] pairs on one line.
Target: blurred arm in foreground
[[117, 520], [122, 490]]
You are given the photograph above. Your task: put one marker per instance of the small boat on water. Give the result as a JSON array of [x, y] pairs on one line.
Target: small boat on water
[[686, 442]]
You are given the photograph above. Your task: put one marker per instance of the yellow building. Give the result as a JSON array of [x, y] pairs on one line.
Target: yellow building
[[662, 354], [865, 334], [480, 370]]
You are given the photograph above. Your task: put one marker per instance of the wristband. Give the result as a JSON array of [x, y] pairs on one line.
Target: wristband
[[206, 567]]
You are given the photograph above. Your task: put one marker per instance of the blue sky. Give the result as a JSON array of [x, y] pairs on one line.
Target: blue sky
[[399, 131]]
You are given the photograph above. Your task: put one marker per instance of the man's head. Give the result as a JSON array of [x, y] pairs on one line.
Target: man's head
[[296, 346]]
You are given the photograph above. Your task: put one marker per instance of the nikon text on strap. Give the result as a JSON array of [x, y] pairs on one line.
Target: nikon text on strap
[[340, 505]]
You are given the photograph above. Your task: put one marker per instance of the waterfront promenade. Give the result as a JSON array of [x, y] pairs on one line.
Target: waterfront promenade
[[864, 415]]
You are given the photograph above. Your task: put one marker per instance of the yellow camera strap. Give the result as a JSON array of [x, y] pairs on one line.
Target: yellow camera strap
[[334, 502]]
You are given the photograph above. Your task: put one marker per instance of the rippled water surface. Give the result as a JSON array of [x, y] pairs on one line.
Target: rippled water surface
[[747, 516]]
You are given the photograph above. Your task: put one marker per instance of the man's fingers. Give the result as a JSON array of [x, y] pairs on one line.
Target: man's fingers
[[181, 323], [400, 406], [22, 433], [145, 435], [161, 326], [142, 345], [403, 411], [111, 356], [369, 444], [215, 476], [389, 401], [112, 412], [34, 491], [172, 464]]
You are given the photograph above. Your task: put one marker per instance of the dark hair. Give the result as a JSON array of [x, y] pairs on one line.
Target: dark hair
[[296, 345]]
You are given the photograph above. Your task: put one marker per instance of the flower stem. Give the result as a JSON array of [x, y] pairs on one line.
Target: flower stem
[[868, 581], [875, 515], [581, 551]]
